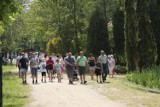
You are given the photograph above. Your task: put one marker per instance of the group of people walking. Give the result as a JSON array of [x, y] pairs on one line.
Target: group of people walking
[[55, 64]]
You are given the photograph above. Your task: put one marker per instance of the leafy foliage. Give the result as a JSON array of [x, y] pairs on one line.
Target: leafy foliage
[[147, 50], [130, 35], [98, 32], [148, 78]]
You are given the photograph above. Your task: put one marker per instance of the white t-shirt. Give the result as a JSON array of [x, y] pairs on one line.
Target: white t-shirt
[[54, 58], [43, 67], [103, 59], [58, 67]]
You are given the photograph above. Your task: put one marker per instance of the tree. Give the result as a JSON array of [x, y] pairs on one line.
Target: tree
[[97, 32], [147, 50], [130, 35], [118, 33], [154, 11]]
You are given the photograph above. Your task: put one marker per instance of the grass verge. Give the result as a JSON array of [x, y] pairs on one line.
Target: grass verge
[[116, 90], [14, 93]]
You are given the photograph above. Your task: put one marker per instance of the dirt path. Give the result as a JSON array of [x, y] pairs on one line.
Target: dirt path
[[64, 95]]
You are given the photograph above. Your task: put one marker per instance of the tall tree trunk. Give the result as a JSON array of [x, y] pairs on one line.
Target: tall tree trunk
[[130, 35], [147, 50]]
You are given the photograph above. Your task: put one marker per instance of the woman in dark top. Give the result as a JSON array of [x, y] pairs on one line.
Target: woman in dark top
[[91, 63], [24, 68]]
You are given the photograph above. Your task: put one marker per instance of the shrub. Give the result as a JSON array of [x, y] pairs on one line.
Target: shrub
[[148, 78]]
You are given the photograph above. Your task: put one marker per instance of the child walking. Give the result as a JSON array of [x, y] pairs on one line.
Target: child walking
[[98, 71], [58, 68], [43, 70]]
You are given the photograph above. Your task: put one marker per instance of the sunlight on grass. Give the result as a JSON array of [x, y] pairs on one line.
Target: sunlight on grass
[[14, 93], [117, 90]]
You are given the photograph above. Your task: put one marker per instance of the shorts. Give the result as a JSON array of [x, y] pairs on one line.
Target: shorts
[[92, 68], [50, 71], [43, 73], [24, 69], [98, 72], [70, 73], [34, 71], [58, 71], [82, 70]]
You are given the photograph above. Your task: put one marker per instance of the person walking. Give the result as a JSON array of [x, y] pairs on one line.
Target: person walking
[[111, 65], [103, 60], [58, 69], [50, 68], [18, 64], [23, 62], [34, 68], [43, 70], [98, 71], [70, 64], [82, 63], [91, 63]]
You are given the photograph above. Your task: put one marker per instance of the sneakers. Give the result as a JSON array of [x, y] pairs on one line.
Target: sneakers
[[36, 81], [85, 82], [59, 80], [24, 82], [70, 82]]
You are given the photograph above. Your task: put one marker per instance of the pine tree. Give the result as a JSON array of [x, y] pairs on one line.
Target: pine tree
[[118, 33], [98, 32], [155, 22], [130, 35], [147, 49]]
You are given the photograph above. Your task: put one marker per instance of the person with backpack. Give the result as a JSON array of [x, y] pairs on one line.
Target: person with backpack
[[24, 68], [82, 63]]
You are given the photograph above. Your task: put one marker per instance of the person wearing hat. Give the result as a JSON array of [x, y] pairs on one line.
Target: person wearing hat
[[111, 65], [23, 62], [70, 65], [104, 60]]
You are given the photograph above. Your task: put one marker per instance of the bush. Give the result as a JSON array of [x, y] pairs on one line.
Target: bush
[[148, 78], [120, 69]]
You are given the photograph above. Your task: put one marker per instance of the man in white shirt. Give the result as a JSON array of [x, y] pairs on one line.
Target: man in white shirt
[[103, 61]]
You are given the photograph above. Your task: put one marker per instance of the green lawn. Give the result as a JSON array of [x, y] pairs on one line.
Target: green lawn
[[14, 93]]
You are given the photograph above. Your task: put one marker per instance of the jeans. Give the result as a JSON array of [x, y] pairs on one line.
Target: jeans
[[34, 71], [104, 71]]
